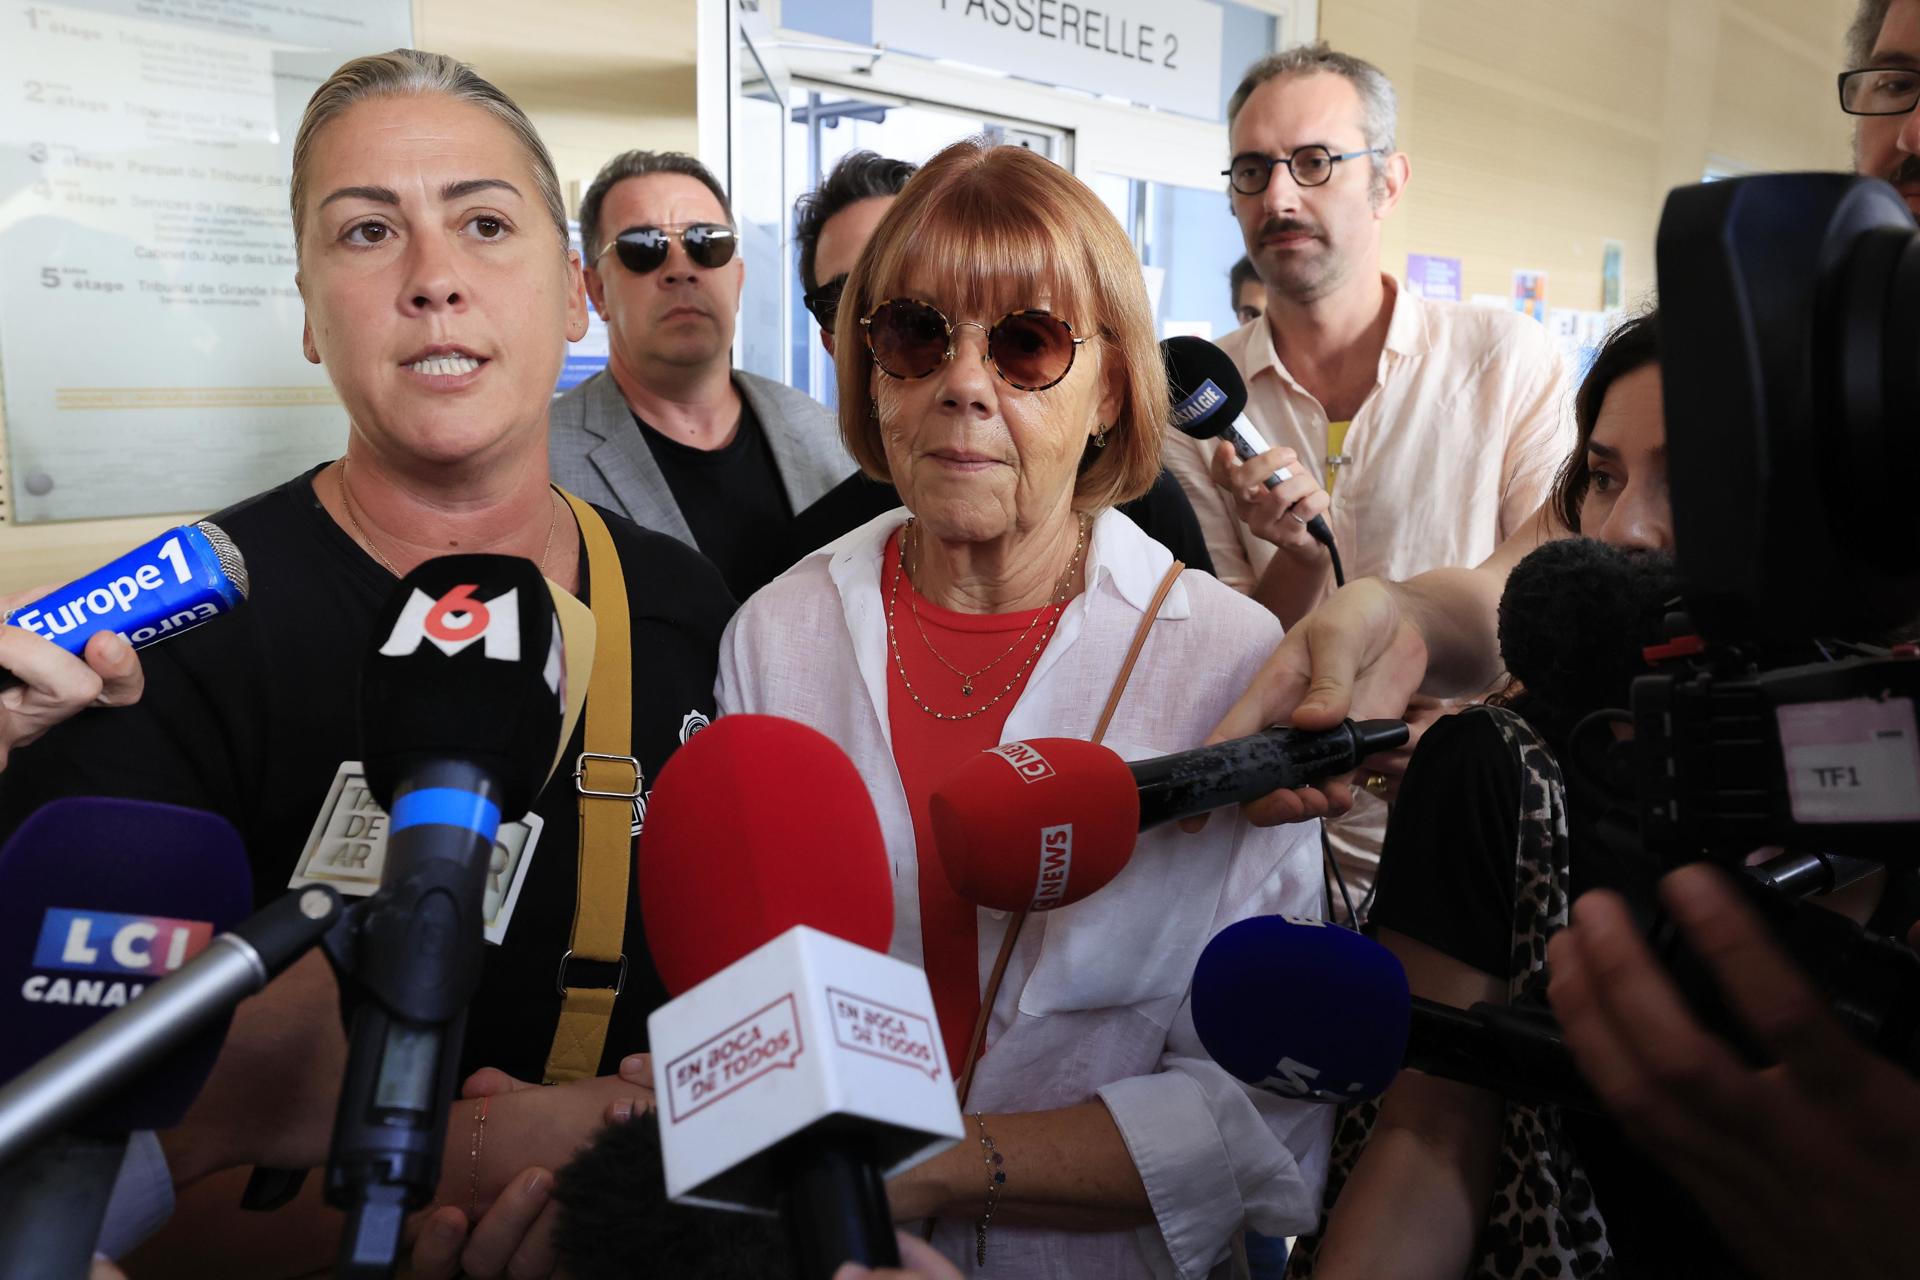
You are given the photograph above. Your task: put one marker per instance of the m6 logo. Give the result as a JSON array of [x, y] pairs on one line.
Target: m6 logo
[[455, 621]]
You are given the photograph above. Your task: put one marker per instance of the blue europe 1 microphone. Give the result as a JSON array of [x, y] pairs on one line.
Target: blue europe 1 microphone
[[99, 899], [462, 701], [173, 583], [1210, 402], [1309, 1010]]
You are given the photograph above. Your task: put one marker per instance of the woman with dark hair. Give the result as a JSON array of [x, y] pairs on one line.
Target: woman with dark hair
[[1484, 852]]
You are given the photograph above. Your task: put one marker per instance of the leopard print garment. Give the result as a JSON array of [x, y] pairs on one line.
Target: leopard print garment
[[1542, 1223]]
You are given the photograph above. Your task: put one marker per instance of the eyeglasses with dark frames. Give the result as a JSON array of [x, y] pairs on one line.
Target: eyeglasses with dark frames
[[1879, 91], [1311, 166]]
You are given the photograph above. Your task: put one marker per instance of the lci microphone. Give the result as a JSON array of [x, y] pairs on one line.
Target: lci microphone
[[462, 701], [1038, 824], [174, 582], [799, 1065], [99, 899], [1309, 1010]]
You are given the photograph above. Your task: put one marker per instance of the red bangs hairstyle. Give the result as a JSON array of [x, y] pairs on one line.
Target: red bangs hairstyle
[[993, 229]]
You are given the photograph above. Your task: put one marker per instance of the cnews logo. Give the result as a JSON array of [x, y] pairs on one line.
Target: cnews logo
[[1056, 860], [1028, 763], [455, 621]]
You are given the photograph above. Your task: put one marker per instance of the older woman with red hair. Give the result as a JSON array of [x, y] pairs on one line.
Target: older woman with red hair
[[997, 365]]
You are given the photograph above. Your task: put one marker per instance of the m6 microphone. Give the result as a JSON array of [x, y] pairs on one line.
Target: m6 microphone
[[1313, 1011], [1210, 402], [1029, 826], [98, 899], [798, 1066], [462, 701], [168, 585]]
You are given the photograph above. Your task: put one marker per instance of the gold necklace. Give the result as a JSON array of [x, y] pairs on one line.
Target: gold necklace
[[1051, 613], [340, 480], [913, 607]]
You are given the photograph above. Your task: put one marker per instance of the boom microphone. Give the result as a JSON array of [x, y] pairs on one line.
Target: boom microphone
[[168, 585], [462, 701], [798, 1067], [1210, 403], [1313, 1011], [1029, 826], [98, 899]]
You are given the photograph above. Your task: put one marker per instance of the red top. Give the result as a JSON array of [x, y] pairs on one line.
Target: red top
[[926, 750]]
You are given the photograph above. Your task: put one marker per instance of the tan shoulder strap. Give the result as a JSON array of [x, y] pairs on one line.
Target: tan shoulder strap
[[607, 777], [992, 992]]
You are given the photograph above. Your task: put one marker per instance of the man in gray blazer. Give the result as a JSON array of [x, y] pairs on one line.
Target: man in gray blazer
[[669, 433]]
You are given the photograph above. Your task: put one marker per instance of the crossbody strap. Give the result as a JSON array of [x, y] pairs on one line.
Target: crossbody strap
[[607, 778], [978, 1039]]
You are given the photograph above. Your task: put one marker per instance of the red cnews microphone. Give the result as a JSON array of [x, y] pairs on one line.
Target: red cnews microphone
[[799, 1066]]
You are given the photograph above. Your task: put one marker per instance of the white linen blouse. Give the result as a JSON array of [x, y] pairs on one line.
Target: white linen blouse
[[1095, 998]]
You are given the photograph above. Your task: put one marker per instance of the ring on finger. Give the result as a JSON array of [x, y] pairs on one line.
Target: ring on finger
[[1376, 783]]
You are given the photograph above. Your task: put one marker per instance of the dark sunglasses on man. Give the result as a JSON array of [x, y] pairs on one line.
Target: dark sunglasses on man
[[824, 302], [644, 249]]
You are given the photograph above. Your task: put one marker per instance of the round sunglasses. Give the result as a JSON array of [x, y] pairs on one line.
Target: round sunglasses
[[1030, 350], [643, 249]]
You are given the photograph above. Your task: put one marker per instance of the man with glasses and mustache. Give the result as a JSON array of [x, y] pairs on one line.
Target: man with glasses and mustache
[[670, 434], [1880, 87], [1424, 431]]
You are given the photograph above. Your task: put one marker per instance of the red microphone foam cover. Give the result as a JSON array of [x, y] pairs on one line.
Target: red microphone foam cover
[[756, 825], [1029, 826]]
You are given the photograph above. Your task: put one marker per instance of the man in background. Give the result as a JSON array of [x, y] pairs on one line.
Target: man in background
[[1249, 295], [670, 434], [1436, 428]]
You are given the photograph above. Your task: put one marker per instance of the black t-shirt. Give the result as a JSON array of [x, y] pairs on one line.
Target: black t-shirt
[[250, 716], [1163, 513], [733, 501]]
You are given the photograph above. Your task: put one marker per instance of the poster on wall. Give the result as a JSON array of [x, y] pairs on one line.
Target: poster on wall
[[1437, 279], [149, 323], [1610, 286], [1163, 52], [1530, 294]]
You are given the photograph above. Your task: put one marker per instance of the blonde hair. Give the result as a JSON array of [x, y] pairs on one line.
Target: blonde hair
[[998, 227], [409, 72]]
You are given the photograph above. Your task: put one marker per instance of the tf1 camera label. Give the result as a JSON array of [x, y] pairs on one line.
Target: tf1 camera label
[[884, 1032], [763, 1041], [1854, 760]]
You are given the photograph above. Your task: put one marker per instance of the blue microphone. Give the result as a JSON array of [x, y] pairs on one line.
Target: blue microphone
[[177, 581], [1309, 1010]]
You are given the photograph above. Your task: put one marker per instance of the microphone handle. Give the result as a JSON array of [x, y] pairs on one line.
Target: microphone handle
[[52, 1202], [1193, 782], [834, 1206], [1247, 441], [1517, 1053], [412, 964]]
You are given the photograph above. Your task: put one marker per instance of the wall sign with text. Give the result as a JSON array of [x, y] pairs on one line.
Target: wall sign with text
[[149, 322], [1162, 53]]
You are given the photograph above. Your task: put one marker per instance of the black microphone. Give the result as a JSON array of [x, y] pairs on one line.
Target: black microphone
[[98, 900], [462, 702], [1210, 403]]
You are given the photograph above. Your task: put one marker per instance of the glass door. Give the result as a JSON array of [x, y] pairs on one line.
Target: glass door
[[762, 205]]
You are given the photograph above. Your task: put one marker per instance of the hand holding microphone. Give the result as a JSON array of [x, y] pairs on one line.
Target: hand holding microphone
[[1278, 513]]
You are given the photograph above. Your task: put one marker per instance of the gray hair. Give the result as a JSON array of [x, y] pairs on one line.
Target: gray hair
[[1864, 31], [639, 164], [406, 73], [1379, 108]]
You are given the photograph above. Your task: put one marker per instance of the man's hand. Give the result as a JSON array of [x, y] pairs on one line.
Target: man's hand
[[55, 685], [1278, 515], [1809, 1167], [1353, 656]]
